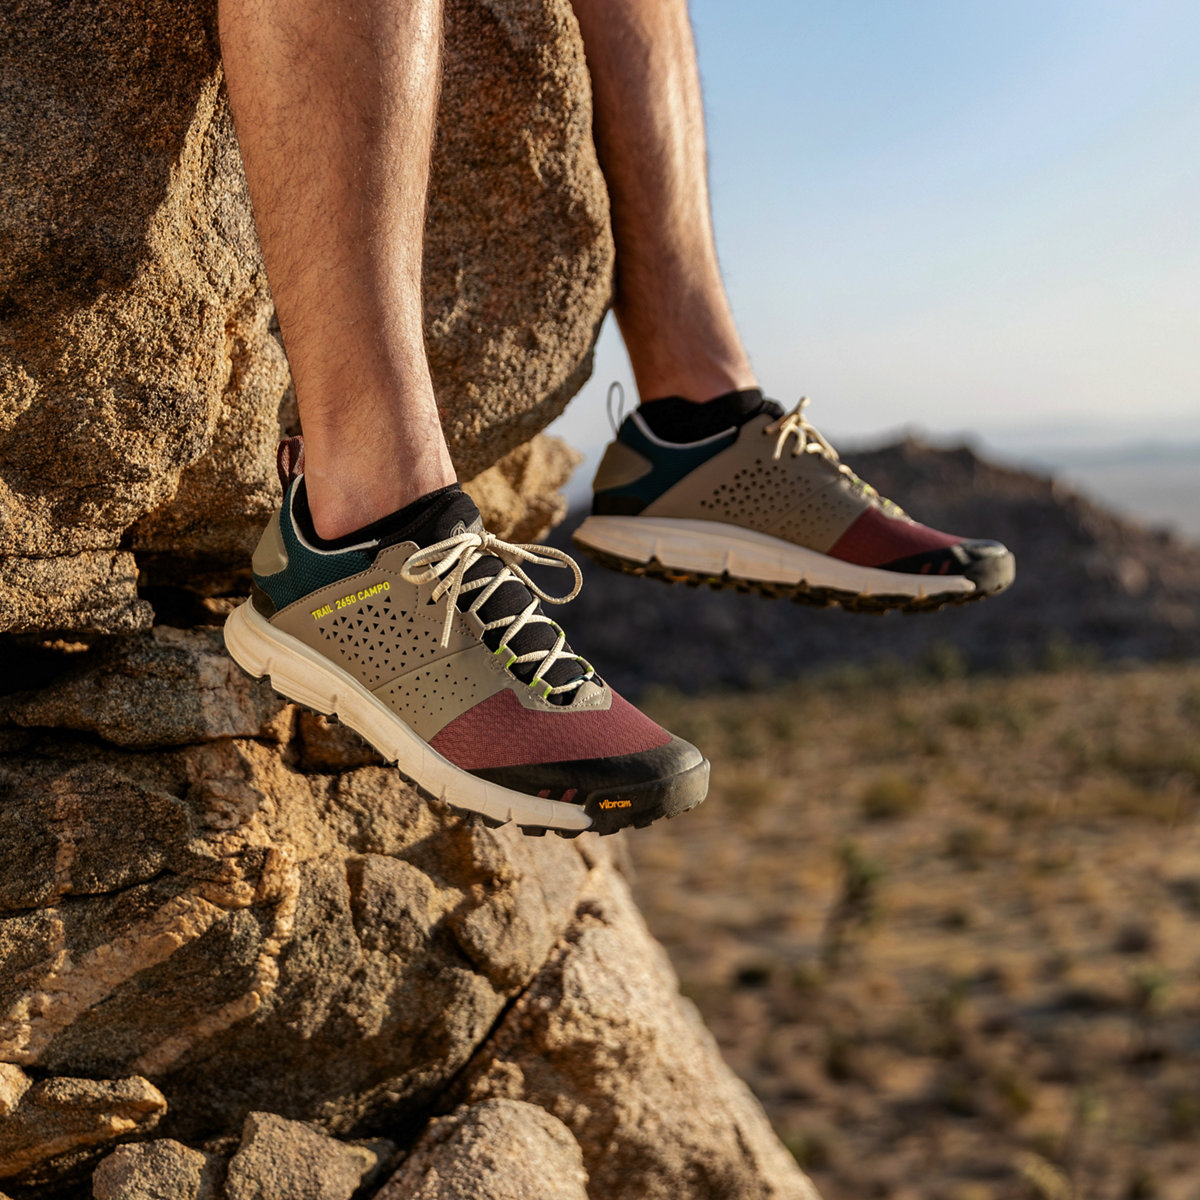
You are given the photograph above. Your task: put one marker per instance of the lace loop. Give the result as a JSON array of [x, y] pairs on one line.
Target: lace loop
[[809, 440], [449, 561]]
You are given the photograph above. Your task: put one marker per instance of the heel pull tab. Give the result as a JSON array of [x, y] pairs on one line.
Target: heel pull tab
[[615, 390], [290, 460]]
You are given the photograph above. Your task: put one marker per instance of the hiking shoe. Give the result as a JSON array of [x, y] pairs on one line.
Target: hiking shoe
[[757, 499], [430, 643]]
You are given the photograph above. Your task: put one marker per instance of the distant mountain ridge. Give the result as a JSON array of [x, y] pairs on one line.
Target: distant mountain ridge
[[1087, 578]]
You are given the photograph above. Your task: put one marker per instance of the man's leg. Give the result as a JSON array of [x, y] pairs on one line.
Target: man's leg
[[649, 126], [707, 480], [335, 106], [378, 596]]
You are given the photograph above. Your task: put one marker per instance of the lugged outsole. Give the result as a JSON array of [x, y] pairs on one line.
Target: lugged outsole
[[639, 822], [707, 553], [799, 593]]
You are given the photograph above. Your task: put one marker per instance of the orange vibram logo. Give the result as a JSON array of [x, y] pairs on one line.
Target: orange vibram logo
[[616, 803]]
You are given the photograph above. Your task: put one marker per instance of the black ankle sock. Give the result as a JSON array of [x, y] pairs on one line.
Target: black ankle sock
[[675, 419], [426, 520], [433, 518]]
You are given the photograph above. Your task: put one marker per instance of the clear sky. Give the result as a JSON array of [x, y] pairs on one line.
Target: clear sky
[[957, 215]]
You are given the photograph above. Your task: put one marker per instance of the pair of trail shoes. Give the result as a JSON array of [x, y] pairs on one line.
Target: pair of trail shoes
[[426, 634]]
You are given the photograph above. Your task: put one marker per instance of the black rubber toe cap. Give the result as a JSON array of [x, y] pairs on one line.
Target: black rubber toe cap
[[990, 566], [626, 789]]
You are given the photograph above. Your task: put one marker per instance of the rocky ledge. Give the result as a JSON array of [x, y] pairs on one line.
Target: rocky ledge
[[229, 934], [239, 956]]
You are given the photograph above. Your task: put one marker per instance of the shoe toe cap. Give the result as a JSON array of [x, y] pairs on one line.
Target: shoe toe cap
[[621, 789], [989, 565]]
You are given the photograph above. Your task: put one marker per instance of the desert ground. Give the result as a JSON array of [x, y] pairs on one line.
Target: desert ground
[[947, 927]]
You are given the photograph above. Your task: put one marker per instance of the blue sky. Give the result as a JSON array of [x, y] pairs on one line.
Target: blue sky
[[957, 216]]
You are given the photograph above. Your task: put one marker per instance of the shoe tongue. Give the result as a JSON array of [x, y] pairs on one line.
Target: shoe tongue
[[449, 512], [509, 599]]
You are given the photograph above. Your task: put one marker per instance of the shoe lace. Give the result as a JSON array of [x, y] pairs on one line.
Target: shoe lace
[[810, 440], [451, 559]]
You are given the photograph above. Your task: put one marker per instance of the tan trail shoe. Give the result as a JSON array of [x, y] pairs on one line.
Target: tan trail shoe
[[753, 498], [440, 656]]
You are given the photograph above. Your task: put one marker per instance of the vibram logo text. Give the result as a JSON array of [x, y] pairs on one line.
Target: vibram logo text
[[616, 803]]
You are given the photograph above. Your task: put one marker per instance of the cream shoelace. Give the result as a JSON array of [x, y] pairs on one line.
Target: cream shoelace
[[450, 560], [809, 440]]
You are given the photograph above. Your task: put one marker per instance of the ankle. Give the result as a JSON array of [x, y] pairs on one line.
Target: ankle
[[697, 354], [697, 380], [342, 502]]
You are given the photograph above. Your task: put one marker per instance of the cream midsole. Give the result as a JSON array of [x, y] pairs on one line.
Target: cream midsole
[[300, 673], [712, 548]]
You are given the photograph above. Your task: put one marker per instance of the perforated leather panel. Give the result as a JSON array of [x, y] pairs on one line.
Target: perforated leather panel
[[430, 698], [379, 641], [380, 636], [761, 489], [823, 517], [802, 498]]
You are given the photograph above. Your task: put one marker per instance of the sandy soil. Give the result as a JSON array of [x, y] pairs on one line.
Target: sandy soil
[[948, 929]]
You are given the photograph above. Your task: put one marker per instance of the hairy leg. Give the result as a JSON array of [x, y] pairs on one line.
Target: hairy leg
[[649, 125], [335, 106]]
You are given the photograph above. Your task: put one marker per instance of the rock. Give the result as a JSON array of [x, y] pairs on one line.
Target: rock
[[280, 1158], [249, 937], [158, 1170], [14, 1083], [130, 288], [140, 384], [338, 950], [602, 1040], [57, 1116], [168, 687], [91, 590], [497, 1150], [519, 496], [324, 745], [518, 252]]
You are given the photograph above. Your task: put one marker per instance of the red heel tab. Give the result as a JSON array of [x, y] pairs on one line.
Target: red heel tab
[[290, 460]]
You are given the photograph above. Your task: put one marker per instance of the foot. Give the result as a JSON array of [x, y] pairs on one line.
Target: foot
[[424, 635], [737, 493]]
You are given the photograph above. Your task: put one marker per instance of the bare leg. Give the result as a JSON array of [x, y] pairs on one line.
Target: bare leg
[[335, 106], [649, 126]]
